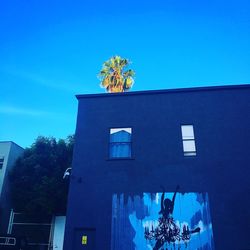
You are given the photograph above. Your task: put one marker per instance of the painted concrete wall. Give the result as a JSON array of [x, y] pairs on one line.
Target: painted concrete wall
[[221, 120]]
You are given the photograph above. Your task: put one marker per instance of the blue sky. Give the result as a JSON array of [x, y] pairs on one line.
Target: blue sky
[[52, 50]]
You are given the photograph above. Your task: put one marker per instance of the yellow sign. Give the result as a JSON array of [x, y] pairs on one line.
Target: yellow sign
[[84, 239]]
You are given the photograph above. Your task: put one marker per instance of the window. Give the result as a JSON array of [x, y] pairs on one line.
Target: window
[[120, 143], [1, 161], [188, 140]]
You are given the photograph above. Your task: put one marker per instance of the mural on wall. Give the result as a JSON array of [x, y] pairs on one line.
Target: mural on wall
[[161, 221]]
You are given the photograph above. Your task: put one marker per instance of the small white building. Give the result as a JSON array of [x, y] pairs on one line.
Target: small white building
[[9, 152]]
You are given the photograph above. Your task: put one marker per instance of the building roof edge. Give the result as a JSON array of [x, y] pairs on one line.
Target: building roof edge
[[161, 91], [12, 143]]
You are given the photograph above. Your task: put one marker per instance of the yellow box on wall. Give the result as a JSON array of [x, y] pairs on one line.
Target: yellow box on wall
[[84, 239]]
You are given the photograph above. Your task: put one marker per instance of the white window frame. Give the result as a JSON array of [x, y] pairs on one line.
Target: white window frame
[[188, 140], [117, 129]]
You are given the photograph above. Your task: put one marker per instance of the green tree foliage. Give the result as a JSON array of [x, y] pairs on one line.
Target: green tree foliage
[[114, 77], [37, 184]]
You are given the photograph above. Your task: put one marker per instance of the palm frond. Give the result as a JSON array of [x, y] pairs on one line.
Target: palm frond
[[129, 72]]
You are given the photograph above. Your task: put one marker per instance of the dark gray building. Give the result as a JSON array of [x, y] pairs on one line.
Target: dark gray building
[[165, 169]]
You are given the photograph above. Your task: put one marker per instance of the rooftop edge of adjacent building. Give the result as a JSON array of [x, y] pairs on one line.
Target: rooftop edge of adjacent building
[[161, 91], [11, 142]]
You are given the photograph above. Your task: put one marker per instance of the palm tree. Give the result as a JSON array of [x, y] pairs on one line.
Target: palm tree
[[114, 78]]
